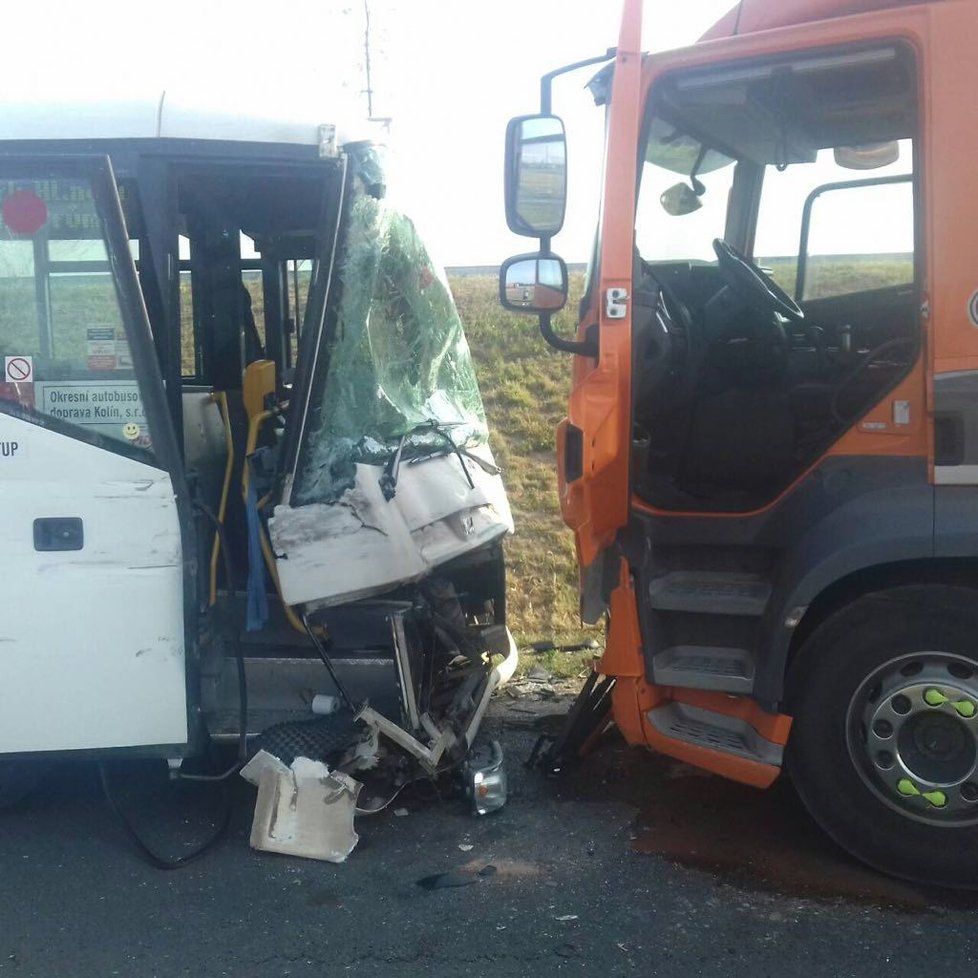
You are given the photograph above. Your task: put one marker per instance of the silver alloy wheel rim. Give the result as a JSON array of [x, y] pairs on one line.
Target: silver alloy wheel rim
[[912, 734]]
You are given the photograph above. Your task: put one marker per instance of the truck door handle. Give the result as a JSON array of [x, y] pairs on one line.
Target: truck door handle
[[59, 533]]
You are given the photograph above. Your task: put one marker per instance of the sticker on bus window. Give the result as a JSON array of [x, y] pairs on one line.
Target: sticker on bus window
[[24, 212], [100, 348], [105, 406], [107, 349], [17, 380], [18, 370]]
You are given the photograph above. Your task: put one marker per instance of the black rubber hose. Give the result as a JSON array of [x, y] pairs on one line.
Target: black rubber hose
[[153, 858]]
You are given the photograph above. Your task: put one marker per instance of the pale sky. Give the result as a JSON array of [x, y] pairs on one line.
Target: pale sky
[[449, 72]]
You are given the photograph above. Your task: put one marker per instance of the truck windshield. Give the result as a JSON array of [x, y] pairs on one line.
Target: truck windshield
[[399, 375], [673, 157]]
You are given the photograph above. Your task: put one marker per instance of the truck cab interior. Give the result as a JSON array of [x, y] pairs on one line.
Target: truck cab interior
[[777, 286]]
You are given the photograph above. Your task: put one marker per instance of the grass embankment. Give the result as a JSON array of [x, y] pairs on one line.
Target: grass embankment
[[524, 386]]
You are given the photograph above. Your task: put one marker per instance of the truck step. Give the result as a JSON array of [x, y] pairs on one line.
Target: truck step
[[722, 670], [714, 731], [710, 593]]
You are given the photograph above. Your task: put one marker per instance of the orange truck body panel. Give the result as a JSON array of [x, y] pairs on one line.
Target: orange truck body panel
[[600, 403], [760, 15], [598, 504]]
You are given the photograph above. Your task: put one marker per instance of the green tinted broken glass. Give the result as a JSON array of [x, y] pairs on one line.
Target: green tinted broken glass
[[398, 361]]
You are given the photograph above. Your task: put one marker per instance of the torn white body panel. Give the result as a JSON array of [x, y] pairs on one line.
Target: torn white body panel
[[303, 810], [365, 544], [92, 635]]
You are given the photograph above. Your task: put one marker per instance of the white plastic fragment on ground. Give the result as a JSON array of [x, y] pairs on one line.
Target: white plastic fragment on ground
[[303, 810]]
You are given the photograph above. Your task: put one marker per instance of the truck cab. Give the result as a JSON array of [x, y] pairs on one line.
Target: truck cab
[[767, 455], [245, 459]]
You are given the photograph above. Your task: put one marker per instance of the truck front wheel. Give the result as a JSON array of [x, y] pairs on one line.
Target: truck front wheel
[[884, 746]]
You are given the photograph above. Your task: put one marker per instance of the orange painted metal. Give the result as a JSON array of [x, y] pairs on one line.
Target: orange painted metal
[[633, 697], [949, 318], [760, 15], [623, 647], [597, 505], [774, 727]]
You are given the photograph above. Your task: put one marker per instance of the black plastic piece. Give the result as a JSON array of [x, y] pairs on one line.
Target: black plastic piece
[[948, 439], [588, 714], [58, 533], [573, 453]]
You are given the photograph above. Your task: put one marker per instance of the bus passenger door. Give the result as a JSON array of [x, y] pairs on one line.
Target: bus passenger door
[[92, 629]]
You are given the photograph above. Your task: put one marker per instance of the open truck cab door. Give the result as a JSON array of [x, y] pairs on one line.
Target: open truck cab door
[[789, 564]]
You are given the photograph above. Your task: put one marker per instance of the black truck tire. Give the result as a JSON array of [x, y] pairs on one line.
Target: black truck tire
[[884, 746]]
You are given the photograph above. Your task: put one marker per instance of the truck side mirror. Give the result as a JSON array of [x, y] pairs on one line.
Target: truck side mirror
[[532, 283], [536, 175]]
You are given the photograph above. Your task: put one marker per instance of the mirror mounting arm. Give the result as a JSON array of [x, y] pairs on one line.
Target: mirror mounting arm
[[584, 348], [588, 347], [546, 81]]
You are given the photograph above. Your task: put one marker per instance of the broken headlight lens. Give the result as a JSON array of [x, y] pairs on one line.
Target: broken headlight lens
[[485, 779]]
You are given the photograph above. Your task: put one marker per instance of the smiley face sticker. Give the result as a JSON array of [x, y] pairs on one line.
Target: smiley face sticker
[[130, 431]]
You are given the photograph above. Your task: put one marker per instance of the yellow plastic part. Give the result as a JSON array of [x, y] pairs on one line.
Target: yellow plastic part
[[257, 386], [937, 798], [966, 709], [907, 788], [934, 697]]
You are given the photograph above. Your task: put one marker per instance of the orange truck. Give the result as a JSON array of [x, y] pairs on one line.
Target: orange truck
[[770, 455]]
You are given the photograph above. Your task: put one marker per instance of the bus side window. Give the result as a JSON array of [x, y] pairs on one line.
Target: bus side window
[[61, 322]]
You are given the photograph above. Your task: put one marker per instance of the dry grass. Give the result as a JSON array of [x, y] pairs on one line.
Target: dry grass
[[524, 386]]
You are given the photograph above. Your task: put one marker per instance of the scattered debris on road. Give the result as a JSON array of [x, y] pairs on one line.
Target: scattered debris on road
[[304, 809]]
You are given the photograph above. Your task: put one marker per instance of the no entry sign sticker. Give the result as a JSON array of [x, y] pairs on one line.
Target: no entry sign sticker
[[18, 370]]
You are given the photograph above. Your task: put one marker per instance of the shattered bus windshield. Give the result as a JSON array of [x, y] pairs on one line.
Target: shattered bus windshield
[[399, 375]]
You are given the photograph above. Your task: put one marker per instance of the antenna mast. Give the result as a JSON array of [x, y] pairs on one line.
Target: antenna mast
[[366, 52]]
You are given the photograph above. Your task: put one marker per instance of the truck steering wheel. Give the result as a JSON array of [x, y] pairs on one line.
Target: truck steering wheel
[[753, 286]]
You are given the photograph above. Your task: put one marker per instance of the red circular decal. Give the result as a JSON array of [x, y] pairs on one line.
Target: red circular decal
[[24, 212]]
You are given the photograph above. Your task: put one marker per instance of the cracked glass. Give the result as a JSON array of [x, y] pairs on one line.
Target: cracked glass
[[398, 379]]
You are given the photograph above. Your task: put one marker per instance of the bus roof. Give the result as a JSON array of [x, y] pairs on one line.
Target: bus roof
[[168, 116]]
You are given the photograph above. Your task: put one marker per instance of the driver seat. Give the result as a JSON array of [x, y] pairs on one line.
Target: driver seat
[[740, 441]]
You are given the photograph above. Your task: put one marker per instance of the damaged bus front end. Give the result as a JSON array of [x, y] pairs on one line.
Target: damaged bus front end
[[300, 481], [390, 511]]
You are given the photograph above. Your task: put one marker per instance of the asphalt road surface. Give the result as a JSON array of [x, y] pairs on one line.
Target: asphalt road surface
[[631, 865]]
